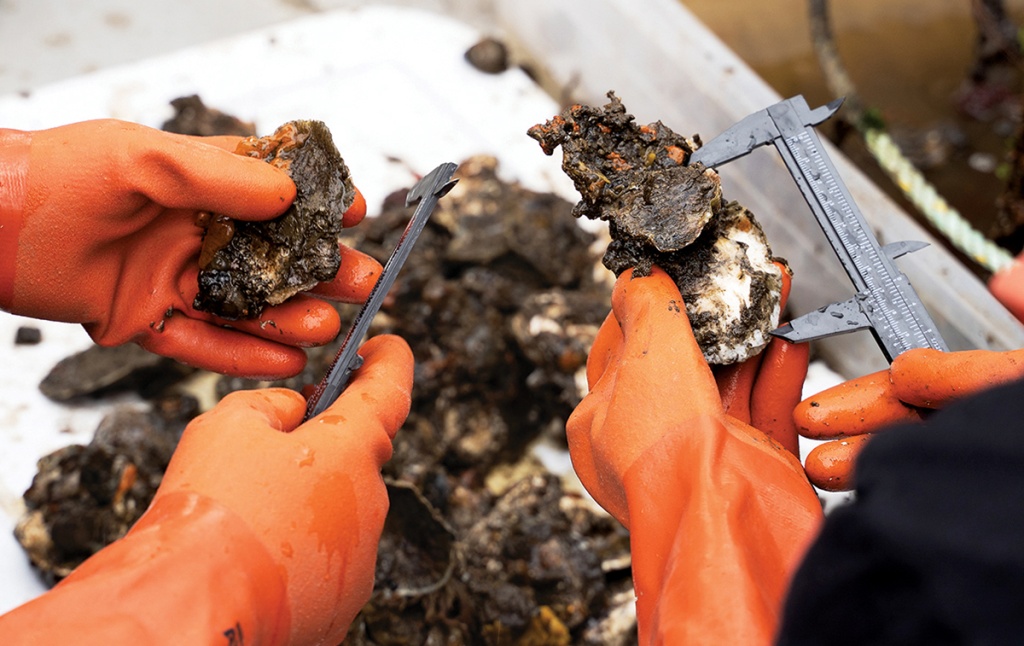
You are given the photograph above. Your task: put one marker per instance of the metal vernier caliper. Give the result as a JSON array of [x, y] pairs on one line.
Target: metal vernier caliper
[[885, 301], [425, 194]]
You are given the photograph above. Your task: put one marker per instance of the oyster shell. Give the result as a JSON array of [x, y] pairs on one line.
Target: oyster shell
[[193, 117], [730, 284], [662, 212], [246, 266], [86, 496]]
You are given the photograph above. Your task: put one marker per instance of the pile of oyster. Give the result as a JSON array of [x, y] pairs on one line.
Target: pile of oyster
[[488, 540], [485, 543]]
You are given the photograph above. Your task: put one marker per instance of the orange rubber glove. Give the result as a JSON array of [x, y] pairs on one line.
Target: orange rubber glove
[[763, 390], [97, 227], [263, 531], [718, 513], [916, 381], [1008, 287]]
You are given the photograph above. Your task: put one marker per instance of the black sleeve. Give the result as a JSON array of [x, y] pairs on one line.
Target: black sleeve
[[931, 550]]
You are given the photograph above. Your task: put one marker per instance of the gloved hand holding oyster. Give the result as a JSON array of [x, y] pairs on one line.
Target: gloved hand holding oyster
[[662, 212], [247, 266]]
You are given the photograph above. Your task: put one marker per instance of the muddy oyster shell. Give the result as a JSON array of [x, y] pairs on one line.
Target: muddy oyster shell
[[246, 266], [661, 212], [730, 284]]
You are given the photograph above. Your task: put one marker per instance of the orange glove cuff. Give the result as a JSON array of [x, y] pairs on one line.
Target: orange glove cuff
[[189, 572], [14, 152], [717, 527]]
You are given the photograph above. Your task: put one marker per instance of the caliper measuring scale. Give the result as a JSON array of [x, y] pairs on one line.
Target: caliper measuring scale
[[885, 302]]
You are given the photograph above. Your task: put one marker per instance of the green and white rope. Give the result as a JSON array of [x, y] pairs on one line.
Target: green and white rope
[[946, 219]]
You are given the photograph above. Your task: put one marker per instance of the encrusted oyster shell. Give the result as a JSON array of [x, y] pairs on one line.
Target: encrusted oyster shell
[[662, 212], [247, 266]]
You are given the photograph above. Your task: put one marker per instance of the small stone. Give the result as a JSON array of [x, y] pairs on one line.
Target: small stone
[[28, 335], [489, 55]]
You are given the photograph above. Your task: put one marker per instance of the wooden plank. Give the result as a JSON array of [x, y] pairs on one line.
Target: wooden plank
[[584, 48]]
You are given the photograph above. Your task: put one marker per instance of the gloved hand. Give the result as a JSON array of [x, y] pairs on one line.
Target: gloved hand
[[1008, 287], [97, 227], [263, 531], [718, 513], [763, 390], [917, 380]]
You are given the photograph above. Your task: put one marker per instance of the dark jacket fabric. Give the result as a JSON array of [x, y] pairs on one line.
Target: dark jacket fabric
[[931, 550]]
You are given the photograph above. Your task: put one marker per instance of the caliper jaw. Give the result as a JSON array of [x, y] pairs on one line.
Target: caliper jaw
[[845, 316]]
